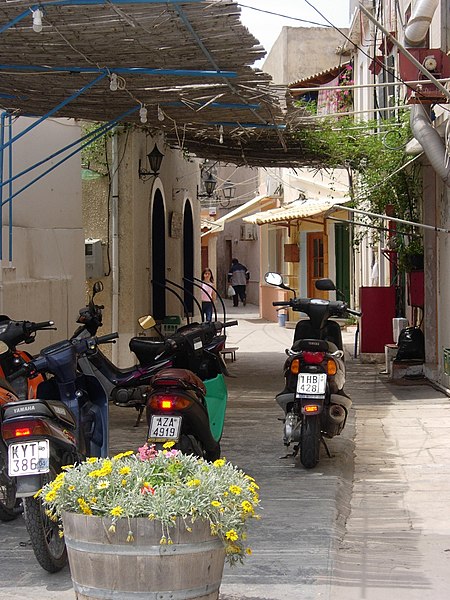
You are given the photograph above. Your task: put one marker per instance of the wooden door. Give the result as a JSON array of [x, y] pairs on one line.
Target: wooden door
[[317, 263]]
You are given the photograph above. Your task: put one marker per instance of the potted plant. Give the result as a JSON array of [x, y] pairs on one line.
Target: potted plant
[[155, 521]]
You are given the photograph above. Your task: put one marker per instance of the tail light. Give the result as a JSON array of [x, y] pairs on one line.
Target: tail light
[[295, 366], [313, 358], [26, 428], [165, 402], [310, 409], [331, 367]]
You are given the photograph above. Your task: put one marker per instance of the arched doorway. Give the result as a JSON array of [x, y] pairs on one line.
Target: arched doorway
[[188, 253], [158, 256]]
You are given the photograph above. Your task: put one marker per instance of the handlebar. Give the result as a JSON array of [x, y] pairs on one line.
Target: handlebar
[[281, 303], [355, 313]]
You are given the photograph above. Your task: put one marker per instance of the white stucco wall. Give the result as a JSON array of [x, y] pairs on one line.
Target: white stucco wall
[[44, 277]]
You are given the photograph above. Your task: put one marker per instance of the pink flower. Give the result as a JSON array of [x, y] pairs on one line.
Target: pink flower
[[146, 452], [147, 489], [172, 453]]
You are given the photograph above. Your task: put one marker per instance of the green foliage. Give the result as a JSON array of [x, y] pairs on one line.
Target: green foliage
[[373, 153], [93, 156]]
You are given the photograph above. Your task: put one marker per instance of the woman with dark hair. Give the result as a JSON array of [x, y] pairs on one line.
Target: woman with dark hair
[[208, 294]]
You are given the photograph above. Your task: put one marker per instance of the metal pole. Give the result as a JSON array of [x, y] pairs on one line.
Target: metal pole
[[387, 218], [114, 240]]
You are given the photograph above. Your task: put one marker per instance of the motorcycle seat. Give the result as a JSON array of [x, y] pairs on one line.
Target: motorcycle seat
[[312, 345], [146, 349], [173, 377]]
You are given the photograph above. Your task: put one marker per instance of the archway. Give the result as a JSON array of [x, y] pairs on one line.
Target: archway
[[188, 253], [158, 256]]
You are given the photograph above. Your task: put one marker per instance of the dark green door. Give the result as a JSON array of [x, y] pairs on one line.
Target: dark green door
[[342, 251]]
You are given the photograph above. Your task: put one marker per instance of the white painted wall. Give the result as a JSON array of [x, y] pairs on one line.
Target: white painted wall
[[45, 279]]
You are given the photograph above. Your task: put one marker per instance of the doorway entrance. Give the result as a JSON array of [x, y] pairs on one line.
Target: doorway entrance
[[317, 263], [158, 257]]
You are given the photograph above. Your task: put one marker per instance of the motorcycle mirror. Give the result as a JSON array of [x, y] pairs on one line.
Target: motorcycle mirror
[[273, 279], [325, 285], [276, 279], [147, 322], [97, 288], [3, 348]]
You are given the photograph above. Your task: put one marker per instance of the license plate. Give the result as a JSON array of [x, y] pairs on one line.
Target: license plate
[[311, 384], [29, 458], [164, 428]]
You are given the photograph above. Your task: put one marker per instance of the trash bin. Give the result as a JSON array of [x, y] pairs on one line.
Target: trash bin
[[282, 319]]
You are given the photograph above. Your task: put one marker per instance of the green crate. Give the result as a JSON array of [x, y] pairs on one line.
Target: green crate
[[170, 324]]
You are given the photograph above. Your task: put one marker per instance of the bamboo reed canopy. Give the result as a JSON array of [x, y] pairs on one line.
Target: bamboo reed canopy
[[181, 67]]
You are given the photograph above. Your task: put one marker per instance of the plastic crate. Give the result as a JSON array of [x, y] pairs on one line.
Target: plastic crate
[[170, 324]]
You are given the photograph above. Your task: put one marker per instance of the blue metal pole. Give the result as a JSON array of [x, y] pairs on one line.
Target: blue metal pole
[[54, 110], [10, 164], [2, 153], [120, 71], [110, 126]]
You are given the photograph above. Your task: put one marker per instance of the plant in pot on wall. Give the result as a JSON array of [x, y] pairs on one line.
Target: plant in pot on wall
[[152, 522]]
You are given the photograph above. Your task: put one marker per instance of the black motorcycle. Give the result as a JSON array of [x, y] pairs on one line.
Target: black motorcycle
[[313, 400]]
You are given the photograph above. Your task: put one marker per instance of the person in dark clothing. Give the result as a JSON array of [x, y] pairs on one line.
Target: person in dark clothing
[[238, 277]]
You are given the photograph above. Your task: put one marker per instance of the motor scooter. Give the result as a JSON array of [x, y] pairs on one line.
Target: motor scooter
[[314, 402], [187, 405], [67, 422], [10, 506]]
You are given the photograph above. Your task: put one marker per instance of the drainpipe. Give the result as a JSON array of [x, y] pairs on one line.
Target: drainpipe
[[430, 140], [115, 242], [420, 21]]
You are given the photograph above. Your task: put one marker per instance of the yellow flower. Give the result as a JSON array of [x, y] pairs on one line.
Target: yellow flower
[[71, 488], [235, 489], [91, 459], [247, 506], [163, 540], [193, 483], [103, 485], [248, 551], [61, 533], [117, 511], [84, 506], [231, 535], [37, 494], [67, 467], [125, 470], [168, 445], [122, 455], [50, 496], [124, 482], [130, 537], [112, 528], [216, 503], [219, 462]]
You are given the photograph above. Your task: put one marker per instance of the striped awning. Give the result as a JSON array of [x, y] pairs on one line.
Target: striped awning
[[295, 211]]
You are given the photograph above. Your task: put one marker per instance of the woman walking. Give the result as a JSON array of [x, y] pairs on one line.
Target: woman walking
[[208, 294]]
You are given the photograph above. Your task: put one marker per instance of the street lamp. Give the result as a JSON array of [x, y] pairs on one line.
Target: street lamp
[[155, 159], [210, 185]]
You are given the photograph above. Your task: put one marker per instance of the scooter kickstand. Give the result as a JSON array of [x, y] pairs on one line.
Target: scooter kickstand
[[326, 447], [139, 417]]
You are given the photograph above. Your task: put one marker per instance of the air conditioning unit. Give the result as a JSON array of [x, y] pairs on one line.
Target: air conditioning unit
[[249, 232]]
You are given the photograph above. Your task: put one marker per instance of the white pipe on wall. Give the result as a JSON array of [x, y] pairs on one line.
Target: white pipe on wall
[[115, 242], [419, 23], [430, 140]]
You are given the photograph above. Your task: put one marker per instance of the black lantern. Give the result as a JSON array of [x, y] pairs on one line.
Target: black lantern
[[228, 190], [210, 185], [155, 159]]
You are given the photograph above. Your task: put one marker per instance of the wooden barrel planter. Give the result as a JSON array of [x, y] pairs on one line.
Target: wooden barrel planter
[[104, 565]]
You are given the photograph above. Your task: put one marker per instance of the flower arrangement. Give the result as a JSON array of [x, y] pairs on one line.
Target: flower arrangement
[[167, 486]]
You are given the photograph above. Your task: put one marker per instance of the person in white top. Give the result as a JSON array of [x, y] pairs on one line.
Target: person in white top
[[208, 294]]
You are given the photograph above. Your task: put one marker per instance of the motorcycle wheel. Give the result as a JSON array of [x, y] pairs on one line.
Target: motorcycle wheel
[[190, 445], [310, 442], [10, 506], [48, 547]]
